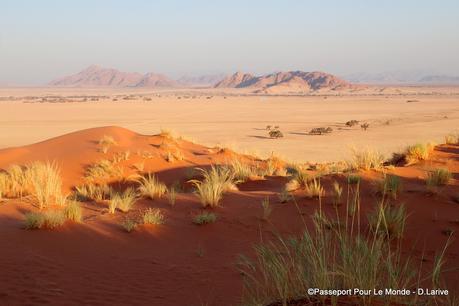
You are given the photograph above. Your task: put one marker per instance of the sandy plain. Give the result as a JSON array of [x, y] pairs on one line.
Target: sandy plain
[[397, 116]]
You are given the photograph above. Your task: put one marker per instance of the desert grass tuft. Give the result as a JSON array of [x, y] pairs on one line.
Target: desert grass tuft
[[314, 189], [418, 152], [267, 208], [92, 191], [284, 196], [337, 193], [205, 218], [388, 220], [45, 183], [48, 219], [452, 139], [437, 178], [153, 216], [103, 170], [172, 196], [150, 187], [106, 142], [73, 212], [365, 159], [390, 185], [216, 181], [123, 201], [129, 225]]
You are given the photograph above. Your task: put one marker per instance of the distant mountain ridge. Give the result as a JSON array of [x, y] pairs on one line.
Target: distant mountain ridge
[[95, 76], [403, 78], [201, 80], [290, 81]]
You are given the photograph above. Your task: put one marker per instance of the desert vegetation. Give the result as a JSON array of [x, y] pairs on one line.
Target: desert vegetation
[[216, 181], [204, 218], [150, 187], [320, 131]]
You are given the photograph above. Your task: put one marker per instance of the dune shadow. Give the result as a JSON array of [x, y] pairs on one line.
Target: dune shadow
[[259, 137]]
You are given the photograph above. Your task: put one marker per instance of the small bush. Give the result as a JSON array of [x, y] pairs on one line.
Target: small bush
[[352, 123], [205, 218], [153, 216], [151, 188], [390, 185], [365, 126], [129, 225], [34, 220], [123, 201], [320, 131], [388, 220], [276, 133], [73, 211]]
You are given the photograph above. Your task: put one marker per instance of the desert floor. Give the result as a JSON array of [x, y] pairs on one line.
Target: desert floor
[[238, 121]]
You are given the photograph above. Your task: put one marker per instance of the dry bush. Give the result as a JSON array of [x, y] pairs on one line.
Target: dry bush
[[276, 133], [320, 131], [129, 224], [13, 182], [352, 123], [150, 187], [216, 181]]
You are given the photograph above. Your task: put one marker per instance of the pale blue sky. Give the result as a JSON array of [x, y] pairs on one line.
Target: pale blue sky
[[43, 39]]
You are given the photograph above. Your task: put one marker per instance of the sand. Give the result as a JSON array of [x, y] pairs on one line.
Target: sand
[[238, 121], [179, 263]]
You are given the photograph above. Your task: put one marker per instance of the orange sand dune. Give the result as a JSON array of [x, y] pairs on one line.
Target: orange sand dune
[[179, 263]]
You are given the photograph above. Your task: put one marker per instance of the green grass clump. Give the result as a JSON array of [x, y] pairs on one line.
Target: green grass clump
[[438, 177], [388, 220], [216, 181], [48, 219], [390, 185], [151, 188], [153, 216], [205, 218], [72, 211]]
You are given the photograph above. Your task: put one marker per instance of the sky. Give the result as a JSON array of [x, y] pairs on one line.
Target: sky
[[42, 40]]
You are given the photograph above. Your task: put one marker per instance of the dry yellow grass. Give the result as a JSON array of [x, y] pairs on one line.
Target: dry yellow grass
[[150, 187]]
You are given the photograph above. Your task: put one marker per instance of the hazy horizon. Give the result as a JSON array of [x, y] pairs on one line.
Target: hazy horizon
[[42, 40]]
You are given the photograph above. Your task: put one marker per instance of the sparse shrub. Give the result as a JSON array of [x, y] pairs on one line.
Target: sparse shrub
[[167, 133], [205, 218], [418, 152], [389, 185], [72, 211], [153, 216], [216, 181], [365, 159], [438, 177], [314, 189], [276, 133], [388, 220], [121, 156], [129, 225], [352, 123], [320, 131], [365, 126], [267, 209], [123, 201], [241, 170], [151, 188]]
